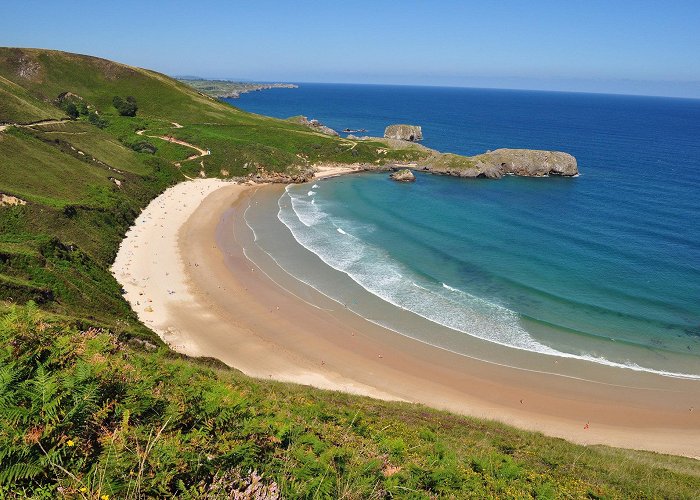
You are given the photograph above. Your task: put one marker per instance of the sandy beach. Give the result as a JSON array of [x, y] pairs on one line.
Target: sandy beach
[[185, 272]]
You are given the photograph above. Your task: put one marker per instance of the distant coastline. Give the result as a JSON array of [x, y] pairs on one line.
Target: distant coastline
[[224, 89]]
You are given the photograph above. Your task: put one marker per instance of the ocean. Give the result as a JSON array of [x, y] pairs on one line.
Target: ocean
[[604, 267]]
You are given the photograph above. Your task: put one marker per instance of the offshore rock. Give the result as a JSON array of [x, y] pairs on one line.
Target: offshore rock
[[404, 175], [526, 162], [496, 164], [412, 133]]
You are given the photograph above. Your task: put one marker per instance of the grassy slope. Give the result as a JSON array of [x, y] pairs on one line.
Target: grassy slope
[[114, 419], [56, 251], [18, 106], [72, 198]]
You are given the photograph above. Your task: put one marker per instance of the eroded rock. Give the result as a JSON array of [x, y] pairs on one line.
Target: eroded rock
[[403, 175], [412, 133]]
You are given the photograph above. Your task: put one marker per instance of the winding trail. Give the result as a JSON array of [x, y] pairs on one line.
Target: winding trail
[[33, 124], [169, 138]]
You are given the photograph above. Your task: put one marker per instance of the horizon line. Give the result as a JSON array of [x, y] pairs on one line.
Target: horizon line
[[457, 86]]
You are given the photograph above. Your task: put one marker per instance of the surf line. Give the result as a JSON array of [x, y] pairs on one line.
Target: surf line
[[245, 254], [555, 353]]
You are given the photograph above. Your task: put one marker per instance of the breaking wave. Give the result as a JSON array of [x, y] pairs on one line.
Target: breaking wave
[[378, 273]]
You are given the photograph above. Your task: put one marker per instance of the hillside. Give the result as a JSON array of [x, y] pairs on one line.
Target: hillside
[[86, 179], [91, 401]]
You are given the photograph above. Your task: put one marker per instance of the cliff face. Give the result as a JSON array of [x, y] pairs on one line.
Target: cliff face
[[411, 133], [496, 164], [526, 162]]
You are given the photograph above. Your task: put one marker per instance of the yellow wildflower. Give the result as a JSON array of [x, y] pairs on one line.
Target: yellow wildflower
[[70, 442], [83, 489], [104, 497]]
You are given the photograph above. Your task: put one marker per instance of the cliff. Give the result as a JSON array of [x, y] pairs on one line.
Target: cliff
[[496, 164], [412, 133]]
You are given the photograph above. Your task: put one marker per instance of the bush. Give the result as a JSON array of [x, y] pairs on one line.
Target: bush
[[72, 111], [125, 107], [97, 120], [144, 147]]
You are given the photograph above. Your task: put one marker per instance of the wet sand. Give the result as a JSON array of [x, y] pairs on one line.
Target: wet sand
[[223, 305]]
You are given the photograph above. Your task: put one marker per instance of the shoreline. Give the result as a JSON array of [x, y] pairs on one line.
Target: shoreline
[[224, 306]]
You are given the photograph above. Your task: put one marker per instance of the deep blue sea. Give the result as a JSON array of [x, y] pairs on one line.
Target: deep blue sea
[[604, 266]]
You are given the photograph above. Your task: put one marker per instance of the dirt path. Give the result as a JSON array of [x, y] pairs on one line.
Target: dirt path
[[47, 122], [168, 138], [34, 124]]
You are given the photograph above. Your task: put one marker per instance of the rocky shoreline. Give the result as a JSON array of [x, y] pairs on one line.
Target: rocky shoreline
[[490, 165]]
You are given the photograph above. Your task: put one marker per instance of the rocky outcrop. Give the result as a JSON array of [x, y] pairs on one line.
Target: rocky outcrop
[[412, 133], [526, 162], [314, 124], [302, 174], [404, 175], [496, 164]]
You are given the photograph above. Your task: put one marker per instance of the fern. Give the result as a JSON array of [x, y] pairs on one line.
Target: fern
[[12, 473]]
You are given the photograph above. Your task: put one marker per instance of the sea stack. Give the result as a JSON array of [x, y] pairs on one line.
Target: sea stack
[[412, 133], [404, 175]]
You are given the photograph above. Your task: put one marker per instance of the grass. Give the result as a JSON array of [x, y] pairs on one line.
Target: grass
[[41, 171], [97, 143], [84, 405], [18, 106], [80, 408]]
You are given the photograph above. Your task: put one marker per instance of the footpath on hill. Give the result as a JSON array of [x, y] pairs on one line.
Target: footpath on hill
[[169, 138], [33, 124]]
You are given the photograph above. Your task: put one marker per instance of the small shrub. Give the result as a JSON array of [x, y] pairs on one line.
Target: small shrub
[[125, 107], [144, 147], [72, 111], [97, 120]]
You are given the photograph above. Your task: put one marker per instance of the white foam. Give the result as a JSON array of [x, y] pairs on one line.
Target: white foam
[[315, 186], [452, 289], [375, 270], [311, 193]]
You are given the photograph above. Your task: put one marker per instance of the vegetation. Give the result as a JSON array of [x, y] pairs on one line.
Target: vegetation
[[83, 411], [125, 107], [93, 404]]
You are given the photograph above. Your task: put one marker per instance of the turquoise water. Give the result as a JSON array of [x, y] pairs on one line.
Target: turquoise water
[[605, 266]]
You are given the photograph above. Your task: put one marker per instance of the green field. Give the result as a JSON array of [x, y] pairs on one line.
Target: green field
[[91, 401]]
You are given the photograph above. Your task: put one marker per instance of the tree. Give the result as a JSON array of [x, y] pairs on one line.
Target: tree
[[125, 107], [72, 110]]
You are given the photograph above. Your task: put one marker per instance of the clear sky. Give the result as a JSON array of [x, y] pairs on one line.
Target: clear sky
[[620, 46]]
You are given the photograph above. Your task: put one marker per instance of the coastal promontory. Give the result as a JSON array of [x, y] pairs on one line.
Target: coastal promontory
[[412, 133], [496, 164]]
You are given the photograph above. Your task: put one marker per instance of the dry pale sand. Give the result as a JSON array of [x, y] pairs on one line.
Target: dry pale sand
[[156, 278], [326, 171], [185, 274]]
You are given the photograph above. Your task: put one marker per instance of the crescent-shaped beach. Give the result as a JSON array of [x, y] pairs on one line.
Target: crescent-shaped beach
[[188, 270]]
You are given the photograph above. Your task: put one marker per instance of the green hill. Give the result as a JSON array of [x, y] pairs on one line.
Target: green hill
[[93, 404], [85, 179]]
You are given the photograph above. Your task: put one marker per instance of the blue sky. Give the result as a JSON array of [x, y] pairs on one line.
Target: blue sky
[[640, 47]]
